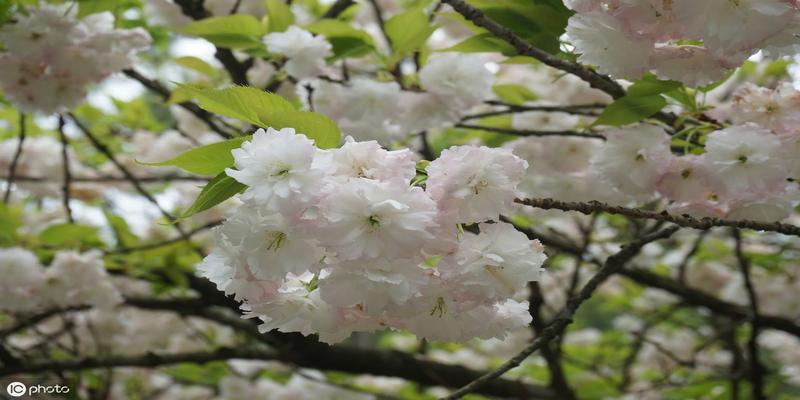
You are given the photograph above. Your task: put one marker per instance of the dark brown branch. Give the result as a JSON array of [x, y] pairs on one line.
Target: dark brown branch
[[580, 109], [698, 298], [12, 169], [524, 48], [65, 185], [682, 220], [150, 246], [525, 132], [756, 369], [146, 360], [612, 266]]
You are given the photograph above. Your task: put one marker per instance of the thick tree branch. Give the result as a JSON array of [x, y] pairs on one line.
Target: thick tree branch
[[337, 8]]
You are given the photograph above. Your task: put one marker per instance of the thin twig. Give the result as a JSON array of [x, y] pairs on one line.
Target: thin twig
[[525, 132], [12, 169], [682, 220], [67, 175], [756, 369]]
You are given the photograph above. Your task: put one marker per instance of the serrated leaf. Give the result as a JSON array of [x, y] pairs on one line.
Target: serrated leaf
[[514, 94], [210, 159], [238, 31], [265, 109], [280, 16], [217, 190], [240, 102]]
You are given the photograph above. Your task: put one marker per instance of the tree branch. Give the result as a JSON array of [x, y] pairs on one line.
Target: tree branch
[[612, 265], [524, 132], [12, 169], [682, 220], [67, 175]]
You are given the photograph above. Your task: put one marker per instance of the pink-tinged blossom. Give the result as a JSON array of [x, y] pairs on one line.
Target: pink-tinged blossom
[[461, 78], [475, 184], [305, 52], [745, 159], [276, 164], [371, 161], [22, 281], [601, 40], [733, 26], [270, 244], [51, 57], [775, 109], [692, 65], [372, 285], [79, 279], [367, 218], [494, 264], [688, 179], [633, 158]]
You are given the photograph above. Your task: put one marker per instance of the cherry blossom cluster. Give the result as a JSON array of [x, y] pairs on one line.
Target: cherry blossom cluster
[[337, 241], [50, 57], [72, 279], [694, 42], [747, 171], [451, 83]]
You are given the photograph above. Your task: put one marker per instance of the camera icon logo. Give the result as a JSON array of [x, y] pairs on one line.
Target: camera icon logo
[[16, 389]]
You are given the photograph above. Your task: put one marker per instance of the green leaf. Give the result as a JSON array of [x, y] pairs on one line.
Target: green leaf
[[87, 7], [408, 32], [346, 40], [514, 94], [318, 127], [196, 64], [240, 102], [650, 85], [280, 15], [627, 110], [267, 110], [9, 222], [125, 238], [483, 43], [643, 99], [238, 31], [217, 190], [71, 235], [210, 159]]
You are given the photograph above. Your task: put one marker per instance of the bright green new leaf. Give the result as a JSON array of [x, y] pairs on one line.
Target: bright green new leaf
[[280, 15], [238, 31], [650, 85], [265, 109], [71, 235], [210, 159], [514, 94], [240, 102], [196, 64], [125, 238], [483, 43], [408, 32], [627, 110], [217, 190]]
